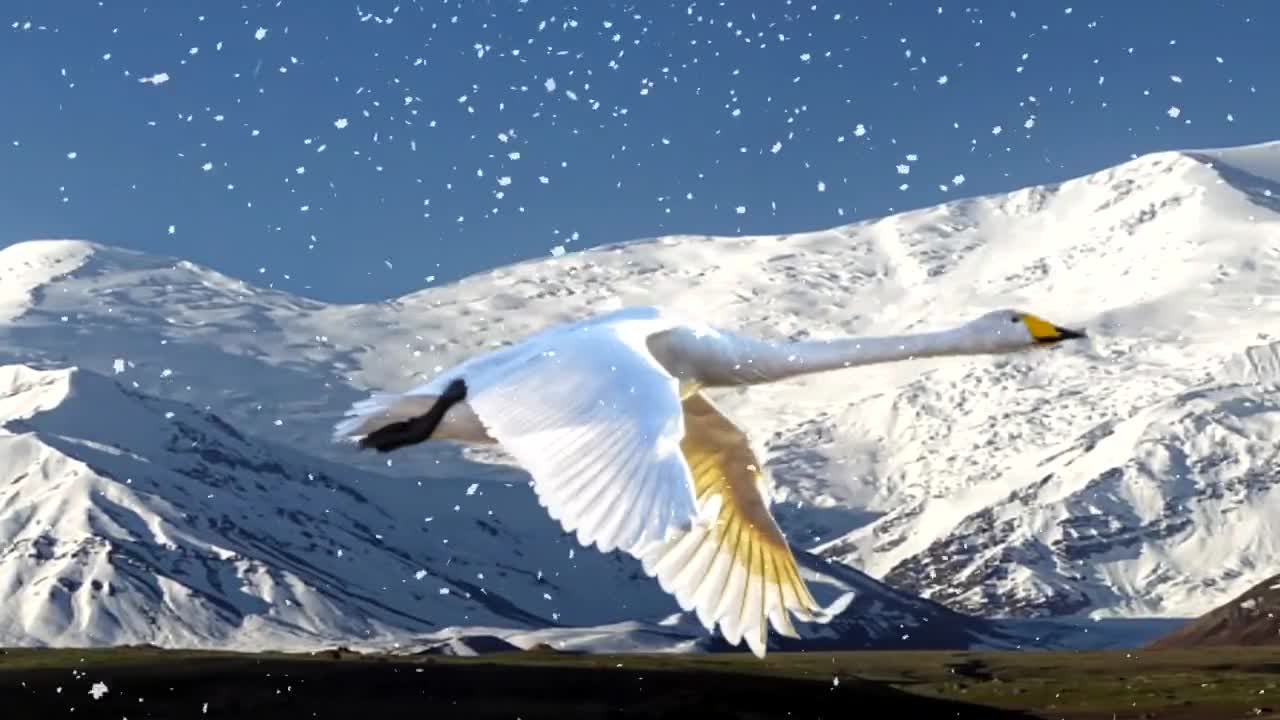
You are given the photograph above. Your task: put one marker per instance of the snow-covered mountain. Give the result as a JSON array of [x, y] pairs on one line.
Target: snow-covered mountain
[[126, 518], [1154, 514], [1125, 476], [131, 519]]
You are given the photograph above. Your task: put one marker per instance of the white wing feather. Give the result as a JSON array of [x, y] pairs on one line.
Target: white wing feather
[[739, 570], [597, 423]]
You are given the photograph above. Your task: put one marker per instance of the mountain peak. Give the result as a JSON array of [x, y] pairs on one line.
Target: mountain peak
[[1262, 160], [26, 266], [47, 250], [29, 266], [70, 254]]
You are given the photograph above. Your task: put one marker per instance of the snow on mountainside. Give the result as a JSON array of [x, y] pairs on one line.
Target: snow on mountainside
[[910, 471], [1160, 513], [130, 519]]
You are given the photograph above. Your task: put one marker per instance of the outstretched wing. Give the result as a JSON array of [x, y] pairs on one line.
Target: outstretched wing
[[597, 422], [738, 571]]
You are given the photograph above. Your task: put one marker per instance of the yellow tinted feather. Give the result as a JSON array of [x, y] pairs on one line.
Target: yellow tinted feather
[[751, 580]]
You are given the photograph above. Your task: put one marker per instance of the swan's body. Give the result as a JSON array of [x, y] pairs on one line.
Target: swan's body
[[625, 450]]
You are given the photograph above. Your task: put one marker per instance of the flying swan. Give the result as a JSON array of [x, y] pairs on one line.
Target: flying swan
[[608, 416]]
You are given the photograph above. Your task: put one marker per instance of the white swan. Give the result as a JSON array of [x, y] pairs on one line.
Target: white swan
[[608, 417]]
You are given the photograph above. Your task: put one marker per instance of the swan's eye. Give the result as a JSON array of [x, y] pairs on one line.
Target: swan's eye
[[1015, 319]]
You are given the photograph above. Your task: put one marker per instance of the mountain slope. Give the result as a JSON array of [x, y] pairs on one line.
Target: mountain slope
[[1253, 618], [129, 519], [126, 518], [1172, 262], [1160, 513]]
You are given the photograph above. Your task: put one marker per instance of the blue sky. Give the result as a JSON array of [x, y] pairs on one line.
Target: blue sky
[[358, 151]]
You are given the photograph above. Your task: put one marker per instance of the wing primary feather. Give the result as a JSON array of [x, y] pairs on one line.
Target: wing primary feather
[[619, 514], [679, 566], [662, 511], [630, 515], [778, 615], [736, 572], [584, 472], [595, 468], [733, 587], [757, 596], [606, 508], [641, 532], [708, 595]]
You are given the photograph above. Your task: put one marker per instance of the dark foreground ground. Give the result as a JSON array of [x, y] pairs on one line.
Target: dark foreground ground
[[146, 683]]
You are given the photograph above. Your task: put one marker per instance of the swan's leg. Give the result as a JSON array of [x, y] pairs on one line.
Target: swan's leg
[[418, 429]]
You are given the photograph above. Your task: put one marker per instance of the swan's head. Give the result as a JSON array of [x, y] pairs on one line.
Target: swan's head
[[1012, 330]]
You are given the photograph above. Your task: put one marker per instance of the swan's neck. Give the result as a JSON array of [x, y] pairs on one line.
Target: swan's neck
[[751, 361]]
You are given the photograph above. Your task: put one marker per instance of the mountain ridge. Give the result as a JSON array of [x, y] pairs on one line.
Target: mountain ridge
[[889, 469]]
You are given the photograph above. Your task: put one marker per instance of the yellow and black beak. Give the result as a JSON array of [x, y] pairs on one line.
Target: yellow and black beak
[[1046, 332]]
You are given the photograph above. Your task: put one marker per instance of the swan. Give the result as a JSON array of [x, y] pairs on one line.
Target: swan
[[609, 416]]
